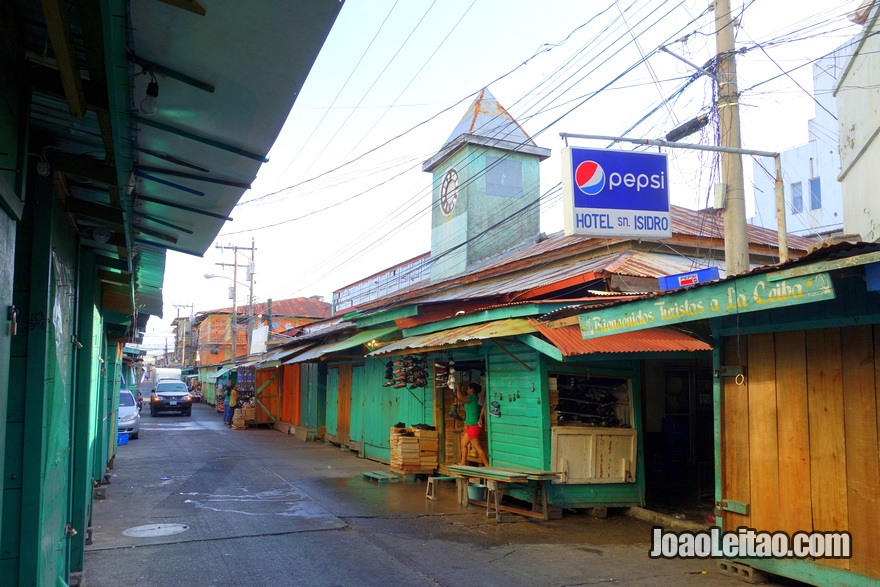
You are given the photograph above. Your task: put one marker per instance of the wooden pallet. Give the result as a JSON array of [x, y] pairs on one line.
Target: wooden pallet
[[382, 477]]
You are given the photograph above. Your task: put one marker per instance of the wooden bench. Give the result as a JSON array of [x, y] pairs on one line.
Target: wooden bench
[[431, 492]]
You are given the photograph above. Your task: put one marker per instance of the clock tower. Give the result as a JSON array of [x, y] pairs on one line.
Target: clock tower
[[486, 189]]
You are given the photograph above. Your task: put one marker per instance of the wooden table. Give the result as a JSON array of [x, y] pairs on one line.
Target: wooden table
[[497, 481]]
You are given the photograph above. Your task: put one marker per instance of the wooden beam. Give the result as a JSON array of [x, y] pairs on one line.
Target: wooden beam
[[95, 211], [110, 263], [45, 80], [117, 278], [144, 198], [156, 234], [154, 67], [162, 222], [89, 167], [55, 13], [188, 5], [204, 178]]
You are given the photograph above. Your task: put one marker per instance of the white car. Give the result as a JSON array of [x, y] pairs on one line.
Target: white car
[[129, 417]]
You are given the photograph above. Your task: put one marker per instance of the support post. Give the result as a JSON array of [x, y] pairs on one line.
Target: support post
[[780, 211], [736, 247]]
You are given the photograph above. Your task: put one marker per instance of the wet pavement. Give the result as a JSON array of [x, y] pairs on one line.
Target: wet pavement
[[192, 502]]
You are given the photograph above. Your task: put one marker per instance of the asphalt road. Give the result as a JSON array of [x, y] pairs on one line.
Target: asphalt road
[[193, 503]]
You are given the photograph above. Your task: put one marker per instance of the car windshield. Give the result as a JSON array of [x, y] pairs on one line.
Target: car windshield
[[126, 399], [164, 386]]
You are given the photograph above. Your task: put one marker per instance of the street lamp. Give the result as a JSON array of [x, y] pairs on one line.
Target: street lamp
[[235, 284]]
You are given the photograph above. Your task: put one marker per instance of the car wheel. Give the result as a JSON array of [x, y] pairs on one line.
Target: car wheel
[[134, 436], [189, 412]]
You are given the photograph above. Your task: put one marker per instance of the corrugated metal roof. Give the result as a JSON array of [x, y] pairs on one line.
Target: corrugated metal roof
[[340, 345], [569, 341], [558, 257], [461, 334], [640, 264]]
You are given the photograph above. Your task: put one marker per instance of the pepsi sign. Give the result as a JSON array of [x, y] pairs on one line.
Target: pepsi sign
[[615, 193]]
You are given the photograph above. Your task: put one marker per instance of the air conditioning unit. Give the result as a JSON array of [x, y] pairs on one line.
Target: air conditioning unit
[[215, 349]]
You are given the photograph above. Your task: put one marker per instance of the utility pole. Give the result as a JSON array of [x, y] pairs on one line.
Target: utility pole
[[250, 270], [183, 348], [250, 332], [736, 246]]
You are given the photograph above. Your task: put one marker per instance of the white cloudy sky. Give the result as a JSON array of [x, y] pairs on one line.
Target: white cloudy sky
[[343, 195]]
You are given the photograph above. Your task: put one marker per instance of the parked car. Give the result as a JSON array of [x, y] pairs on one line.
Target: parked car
[[129, 417], [171, 396]]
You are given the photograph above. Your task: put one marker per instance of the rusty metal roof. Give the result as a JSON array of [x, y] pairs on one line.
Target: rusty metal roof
[[569, 341], [634, 263], [460, 336], [355, 340], [697, 242]]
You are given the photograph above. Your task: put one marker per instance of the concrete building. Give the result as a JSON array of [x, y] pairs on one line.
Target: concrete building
[[858, 96], [813, 196]]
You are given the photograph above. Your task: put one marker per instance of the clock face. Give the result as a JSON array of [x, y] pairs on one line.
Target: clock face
[[449, 191]]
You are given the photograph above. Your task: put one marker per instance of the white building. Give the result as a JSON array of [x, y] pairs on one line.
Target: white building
[[813, 196], [858, 106]]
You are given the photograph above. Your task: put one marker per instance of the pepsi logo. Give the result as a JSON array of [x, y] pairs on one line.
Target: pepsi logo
[[590, 177]]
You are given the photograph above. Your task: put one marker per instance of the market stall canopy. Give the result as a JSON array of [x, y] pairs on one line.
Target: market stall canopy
[[155, 117], [470, 335], [356, 340], [278, 357], [570, 342], [222, 372]]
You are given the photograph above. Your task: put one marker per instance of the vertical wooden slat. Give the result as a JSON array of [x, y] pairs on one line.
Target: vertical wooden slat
[[827, 434], [795, 512], [763, 448], [343, 412], [862, 458], [735, 435]]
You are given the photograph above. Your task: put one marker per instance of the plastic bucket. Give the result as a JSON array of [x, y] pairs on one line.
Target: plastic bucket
[[476, 492], [122, 438]]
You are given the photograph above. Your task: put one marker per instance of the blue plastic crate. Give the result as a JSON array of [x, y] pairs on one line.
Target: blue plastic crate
[[122, 438]]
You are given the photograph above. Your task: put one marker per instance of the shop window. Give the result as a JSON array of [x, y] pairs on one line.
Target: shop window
[[602, 402]]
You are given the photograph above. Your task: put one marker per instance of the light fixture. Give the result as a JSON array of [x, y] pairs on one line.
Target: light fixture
[[101, 234], [149, 105]]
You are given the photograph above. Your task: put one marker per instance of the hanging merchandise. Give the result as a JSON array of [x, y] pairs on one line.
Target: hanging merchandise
[[409, 371]]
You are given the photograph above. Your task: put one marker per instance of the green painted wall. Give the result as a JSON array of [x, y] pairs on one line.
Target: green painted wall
[[37, 482], [476, 211], [85, 408], [600, 494], [380, 412], [313, 394], [520, 437]]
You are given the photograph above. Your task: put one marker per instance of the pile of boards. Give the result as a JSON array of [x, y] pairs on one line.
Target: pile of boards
[[414, 450]]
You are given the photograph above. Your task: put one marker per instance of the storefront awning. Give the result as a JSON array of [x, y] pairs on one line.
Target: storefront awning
[[278, 357], [222, 372], [570, 342], [355, 340], [470, 335]]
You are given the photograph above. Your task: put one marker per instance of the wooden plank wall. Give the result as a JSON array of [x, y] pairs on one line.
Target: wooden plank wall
[[800, 436]]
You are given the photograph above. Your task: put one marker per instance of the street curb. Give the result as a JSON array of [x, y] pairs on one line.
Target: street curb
[[666, 521]]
